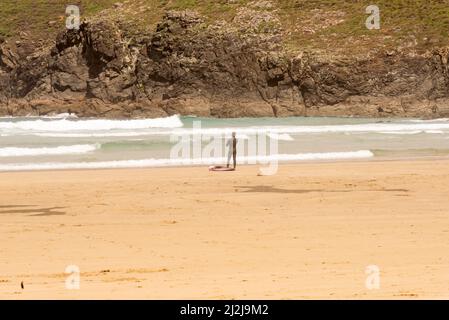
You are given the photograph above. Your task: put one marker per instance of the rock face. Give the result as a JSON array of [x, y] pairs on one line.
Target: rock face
[[186, 67]]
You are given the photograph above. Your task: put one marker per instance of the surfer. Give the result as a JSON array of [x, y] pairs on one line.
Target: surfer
[[232, 151]]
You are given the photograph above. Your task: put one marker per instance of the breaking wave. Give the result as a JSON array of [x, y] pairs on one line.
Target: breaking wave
[[61, 150], [186, 162], [64, 125]]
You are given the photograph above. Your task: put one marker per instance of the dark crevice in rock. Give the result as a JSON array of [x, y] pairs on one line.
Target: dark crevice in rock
[[187, 67]]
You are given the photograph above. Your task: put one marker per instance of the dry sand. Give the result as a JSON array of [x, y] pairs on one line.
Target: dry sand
[[308, 232]]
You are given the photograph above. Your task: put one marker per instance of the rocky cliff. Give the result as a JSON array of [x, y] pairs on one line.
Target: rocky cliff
[[189, 67]]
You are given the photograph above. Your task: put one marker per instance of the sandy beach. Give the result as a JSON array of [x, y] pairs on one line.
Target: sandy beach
[[308, 232]]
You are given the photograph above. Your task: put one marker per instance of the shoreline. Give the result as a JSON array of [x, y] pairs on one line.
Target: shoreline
[[308, 232], [74, 116], [282, 163]]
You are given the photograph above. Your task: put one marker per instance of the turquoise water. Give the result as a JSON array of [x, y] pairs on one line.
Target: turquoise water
[[61, 142]]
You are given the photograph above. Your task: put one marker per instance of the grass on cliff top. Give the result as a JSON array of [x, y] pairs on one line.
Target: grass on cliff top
[[404, 23], [41, 18], [34, 16], [315, 24]]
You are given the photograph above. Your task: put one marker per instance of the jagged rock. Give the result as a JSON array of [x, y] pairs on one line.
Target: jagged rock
[[8, 58], [188, 67]]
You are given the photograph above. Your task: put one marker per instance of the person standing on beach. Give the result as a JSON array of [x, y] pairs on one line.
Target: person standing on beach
[[232, 151]]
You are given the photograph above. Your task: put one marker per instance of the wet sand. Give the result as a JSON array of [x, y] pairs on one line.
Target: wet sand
[[308, 232]]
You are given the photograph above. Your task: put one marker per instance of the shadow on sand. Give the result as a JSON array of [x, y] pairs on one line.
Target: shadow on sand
[[34, 212], [271, 189]]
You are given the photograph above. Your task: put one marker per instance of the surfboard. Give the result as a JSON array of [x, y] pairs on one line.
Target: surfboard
[[220, 168]]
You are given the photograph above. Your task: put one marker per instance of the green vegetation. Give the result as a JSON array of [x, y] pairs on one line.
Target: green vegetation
[[40, 17], [317, 24], [422, 22]]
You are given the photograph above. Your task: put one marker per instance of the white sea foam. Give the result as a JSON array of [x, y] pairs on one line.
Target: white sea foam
[[281, 130], [64, 125], [402, 132], [61, 116], [279, 133], [435, 131], [186, 162], [61, 150], [94, 135], [358, 128], [173, 125]]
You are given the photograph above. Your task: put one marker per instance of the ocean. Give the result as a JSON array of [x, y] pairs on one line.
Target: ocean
[[66, 142]]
